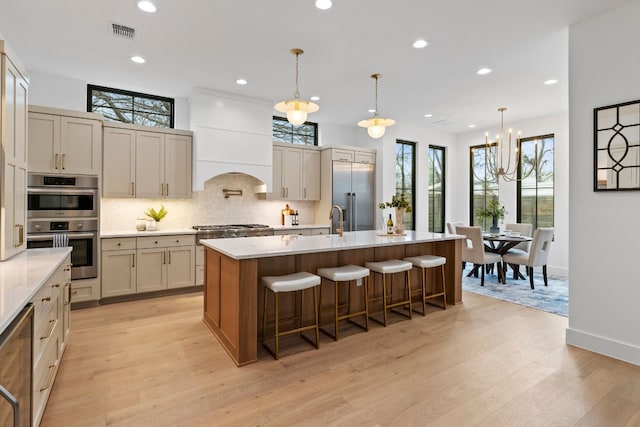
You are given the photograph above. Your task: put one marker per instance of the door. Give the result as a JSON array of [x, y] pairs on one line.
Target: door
[[341, 193], [80, 145], [44, 142], [293, 173], [362, 195], [151, 270], [311, 173], [149, 164], [181, 266], [119, 156], [118, 273], [177, 171]]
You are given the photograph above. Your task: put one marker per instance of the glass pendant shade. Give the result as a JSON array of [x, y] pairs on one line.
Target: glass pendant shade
[[376, 126], [296, 110]]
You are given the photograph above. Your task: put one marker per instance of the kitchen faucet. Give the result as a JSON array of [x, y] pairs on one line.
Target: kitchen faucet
[[340, 228]]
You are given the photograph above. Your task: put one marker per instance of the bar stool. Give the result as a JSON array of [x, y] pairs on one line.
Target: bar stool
[[389, 267], [290, 283], [424, 262], [346, 274]]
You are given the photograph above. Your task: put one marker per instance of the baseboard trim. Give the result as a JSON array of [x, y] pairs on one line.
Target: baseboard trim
[[606, 346]]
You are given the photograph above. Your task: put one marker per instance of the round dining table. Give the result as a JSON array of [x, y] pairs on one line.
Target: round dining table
[[500, 244]]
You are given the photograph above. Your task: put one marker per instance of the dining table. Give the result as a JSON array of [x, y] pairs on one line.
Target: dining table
[[500, 244]]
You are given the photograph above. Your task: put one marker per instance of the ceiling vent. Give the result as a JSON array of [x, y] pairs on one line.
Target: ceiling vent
[[123, 31], [443, 123]]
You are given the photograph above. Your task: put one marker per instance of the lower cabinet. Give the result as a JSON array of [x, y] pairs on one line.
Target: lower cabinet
[[199, 265], [50, 331], [133, 265], [302, 231]]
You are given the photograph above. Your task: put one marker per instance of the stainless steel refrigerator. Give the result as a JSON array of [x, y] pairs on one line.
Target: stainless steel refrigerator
[[353, 191]]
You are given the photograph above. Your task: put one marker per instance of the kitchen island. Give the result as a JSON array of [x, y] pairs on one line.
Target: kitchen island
[[233, 268]]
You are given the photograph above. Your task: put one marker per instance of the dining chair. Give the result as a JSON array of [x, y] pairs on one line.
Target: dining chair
[[537, 255], [525, 229], [473, 250], [451, 227]]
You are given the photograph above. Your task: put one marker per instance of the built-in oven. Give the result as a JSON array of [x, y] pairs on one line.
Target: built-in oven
[[80, 234], [54, 196]]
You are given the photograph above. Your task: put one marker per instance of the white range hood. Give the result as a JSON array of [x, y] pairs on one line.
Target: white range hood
[[231, 134]]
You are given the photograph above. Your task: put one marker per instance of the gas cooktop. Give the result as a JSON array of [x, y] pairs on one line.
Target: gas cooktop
[[225, 231]]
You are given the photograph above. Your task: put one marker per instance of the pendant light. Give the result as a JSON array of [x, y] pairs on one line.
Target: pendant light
[[296, 108], [376, 126]]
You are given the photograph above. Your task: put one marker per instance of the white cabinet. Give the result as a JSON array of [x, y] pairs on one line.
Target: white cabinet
[[353, 155], [133, 265], [50, 330], [13, 156], [118, 266], [296, 173], [64, 142], [146, 162], [316, 231], [199, 265]]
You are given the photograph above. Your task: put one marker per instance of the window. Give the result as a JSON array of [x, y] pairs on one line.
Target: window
[[484, 186], [304, 134], [436, 189], [405, 177], [130, 107], [535, 189]]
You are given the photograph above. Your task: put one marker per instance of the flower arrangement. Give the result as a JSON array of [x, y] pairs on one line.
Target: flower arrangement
[[156, 215], [397, 201], [494, 210]]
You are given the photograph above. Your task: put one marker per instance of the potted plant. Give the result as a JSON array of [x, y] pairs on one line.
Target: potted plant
[[401, 204], [155, 216], [495, 211]]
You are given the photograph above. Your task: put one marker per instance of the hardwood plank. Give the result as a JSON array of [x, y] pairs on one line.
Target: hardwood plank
[[485, 362]]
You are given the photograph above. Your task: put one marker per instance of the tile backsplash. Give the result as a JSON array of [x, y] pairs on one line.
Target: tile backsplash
[[205, 207]]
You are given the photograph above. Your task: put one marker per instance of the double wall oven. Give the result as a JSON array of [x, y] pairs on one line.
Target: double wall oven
[[63, 211]]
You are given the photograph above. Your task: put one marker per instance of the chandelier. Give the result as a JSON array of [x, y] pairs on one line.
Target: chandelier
[[296, 108], [499, 157], [376, 125]]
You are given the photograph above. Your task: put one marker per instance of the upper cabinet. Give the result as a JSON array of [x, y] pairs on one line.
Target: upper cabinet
[[146, 162], [13, 156], [64, 142], [296, 172]]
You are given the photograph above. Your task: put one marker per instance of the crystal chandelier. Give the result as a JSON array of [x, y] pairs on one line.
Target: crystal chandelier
[[296, 108], [376, 126], [499, 156]]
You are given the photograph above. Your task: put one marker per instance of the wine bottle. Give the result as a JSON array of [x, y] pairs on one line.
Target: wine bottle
[[389, 225]]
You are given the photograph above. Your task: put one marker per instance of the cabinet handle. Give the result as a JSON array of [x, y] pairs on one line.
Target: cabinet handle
[[46, 299], [133, 189], [63, 156], [55, 166], [169, 253], [68, 294], [52, 324], [50, 378], [305, 192], [167, 189], [4, 393], [286, 191], [161, 189], [55, 285], [164, 257], [133, 260]]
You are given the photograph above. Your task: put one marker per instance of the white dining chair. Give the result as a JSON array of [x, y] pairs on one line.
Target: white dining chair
[[473, 250], [537, 255], [451, 227]]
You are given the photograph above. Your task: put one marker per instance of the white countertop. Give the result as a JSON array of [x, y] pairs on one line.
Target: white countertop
[[135, 233], [266, 246], [22, 276]]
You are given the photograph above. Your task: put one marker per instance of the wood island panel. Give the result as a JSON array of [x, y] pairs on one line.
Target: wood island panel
[[233, 293]]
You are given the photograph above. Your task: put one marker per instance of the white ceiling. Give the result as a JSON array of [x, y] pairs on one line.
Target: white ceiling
[[211, 43]]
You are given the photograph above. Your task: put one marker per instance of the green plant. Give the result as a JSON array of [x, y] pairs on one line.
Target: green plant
[[156, 215], [398, 201], [493, 210]]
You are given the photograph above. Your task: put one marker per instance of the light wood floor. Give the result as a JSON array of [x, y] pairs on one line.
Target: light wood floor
[[484, 363]]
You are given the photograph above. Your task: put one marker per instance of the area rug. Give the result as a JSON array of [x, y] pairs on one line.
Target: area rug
[[553, 298]]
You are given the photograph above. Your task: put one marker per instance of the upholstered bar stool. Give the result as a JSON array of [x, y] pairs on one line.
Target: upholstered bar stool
[[345, 275], [385, 268], [424, 263], [290, 283]]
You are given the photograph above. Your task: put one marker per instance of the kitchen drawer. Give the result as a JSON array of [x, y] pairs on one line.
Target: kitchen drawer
[[44, 372], [365, 157], [319, 231], [342, 155], [85, 291], [42, 301], [118, 243], [166, 241], [43, 331]]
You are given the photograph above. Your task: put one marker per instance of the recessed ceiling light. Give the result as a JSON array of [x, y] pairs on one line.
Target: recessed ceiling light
[[472, 126], [315, 98], [241, 81], [420, 43], [324, 4], [550, 82], [483, 71], [371, 110], [147, 6], [428, 115], [138, 59]]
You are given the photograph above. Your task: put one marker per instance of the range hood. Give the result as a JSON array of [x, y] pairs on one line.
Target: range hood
[[231, 134]]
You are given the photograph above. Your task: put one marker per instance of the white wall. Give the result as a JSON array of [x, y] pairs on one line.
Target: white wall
[[557, 124], [50, 90], [603, 226]]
